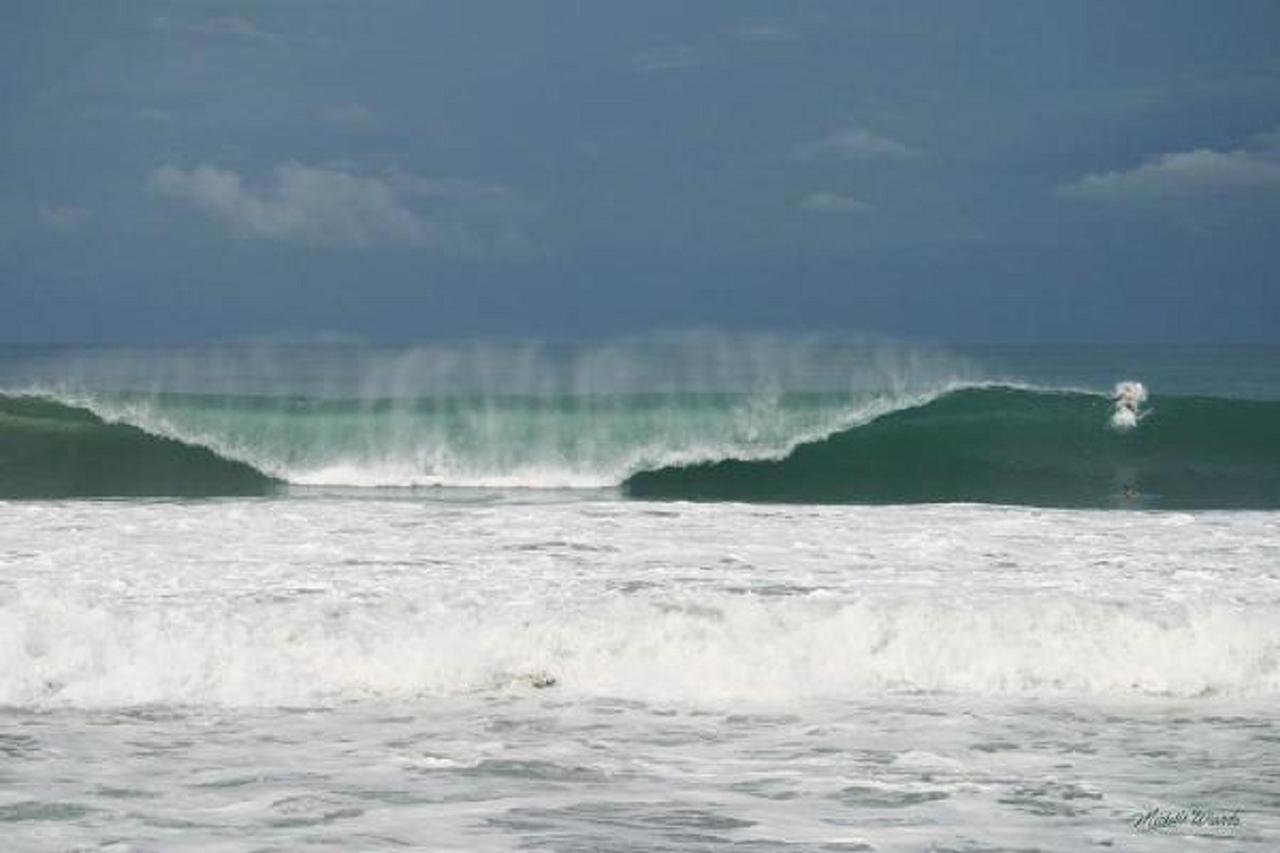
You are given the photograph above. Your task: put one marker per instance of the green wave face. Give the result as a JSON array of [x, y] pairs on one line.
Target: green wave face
[[52, 450], [996, 445], [1001, 445], [178, 443]]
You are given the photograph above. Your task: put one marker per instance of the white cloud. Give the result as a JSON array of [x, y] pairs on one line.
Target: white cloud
[[226, 26], [665, 59], [833, 202], [1200, 173], [62, 217], [336, 209], [766, 33], [854, 144], [453, 188], [306, 205]]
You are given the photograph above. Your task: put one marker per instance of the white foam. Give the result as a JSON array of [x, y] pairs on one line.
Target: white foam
[[64, 651], [1128, 397], [296, 602]]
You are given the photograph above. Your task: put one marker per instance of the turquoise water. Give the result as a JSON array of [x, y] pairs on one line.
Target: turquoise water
[[694, 417]]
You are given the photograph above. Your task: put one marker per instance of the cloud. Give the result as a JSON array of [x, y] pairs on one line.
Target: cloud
[[854, 144], [832, 202], [331, 208], [453, 188], [665, 59], [766, 33], [62, 217], [1196, 174], [225, 26], [235, 28]]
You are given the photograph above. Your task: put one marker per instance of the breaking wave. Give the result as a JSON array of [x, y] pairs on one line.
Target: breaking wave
[[982, 444], [50, 449], [79, 653], [1015, 446], [686, 417]]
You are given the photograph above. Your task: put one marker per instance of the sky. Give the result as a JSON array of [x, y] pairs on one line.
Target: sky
[[413, 171]]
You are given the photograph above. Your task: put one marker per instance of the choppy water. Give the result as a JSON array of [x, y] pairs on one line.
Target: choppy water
[[360, 673]]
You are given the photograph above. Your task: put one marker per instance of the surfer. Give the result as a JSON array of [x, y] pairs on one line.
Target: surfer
[[1128, 397]]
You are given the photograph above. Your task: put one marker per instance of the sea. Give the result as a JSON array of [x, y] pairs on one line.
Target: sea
[[695, 591]]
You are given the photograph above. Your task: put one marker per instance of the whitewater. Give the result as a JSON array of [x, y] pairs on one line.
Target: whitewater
[[740, 593]]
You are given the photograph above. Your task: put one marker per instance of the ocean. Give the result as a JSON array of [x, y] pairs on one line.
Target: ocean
[[697, 591]]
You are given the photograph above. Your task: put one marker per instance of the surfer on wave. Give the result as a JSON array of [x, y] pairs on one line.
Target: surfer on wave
[[1128, 397]]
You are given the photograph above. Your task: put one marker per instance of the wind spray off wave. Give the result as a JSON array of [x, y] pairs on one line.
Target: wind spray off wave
[[687, 419], [502, 416]]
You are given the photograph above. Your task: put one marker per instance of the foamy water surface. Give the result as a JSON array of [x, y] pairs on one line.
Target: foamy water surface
[[535, 670]]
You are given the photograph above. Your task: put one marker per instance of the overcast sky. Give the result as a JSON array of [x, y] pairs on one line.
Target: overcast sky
[[407, 171]]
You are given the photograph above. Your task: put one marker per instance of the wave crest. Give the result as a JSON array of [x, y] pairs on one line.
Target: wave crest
[[505, 415], [993, 444]]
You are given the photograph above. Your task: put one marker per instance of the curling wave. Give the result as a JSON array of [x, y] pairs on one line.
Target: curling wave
[[991, 444], [49, 449], [185, 443], [1017, 446]]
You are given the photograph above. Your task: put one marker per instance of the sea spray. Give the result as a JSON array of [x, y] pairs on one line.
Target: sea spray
[[988, 444], [692, 417], [498, 414]]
